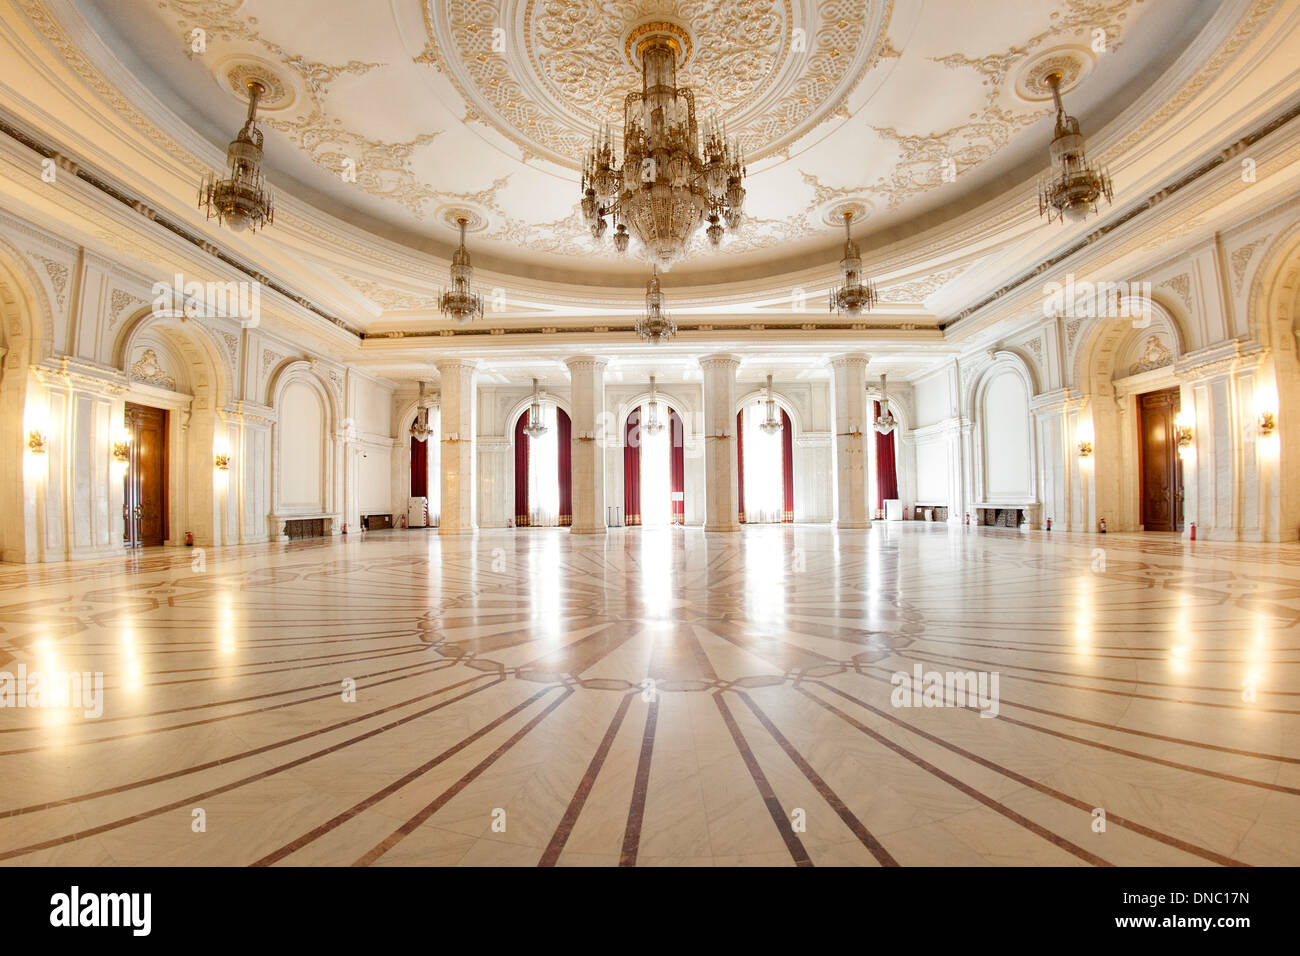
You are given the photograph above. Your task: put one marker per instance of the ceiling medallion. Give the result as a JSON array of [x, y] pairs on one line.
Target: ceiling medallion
[[666, 186], [451, 216], [461, 302], [656, 325], [1072, 64], [241, 200], [1074, 187], [833, 215], [235, 72], [854, 296]]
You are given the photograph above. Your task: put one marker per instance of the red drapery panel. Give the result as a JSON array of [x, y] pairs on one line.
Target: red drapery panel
[[886, 470], [678, 453], [564, 435], [787, 468], [632, 469], [521, 472], [419, 468], [740, 463]]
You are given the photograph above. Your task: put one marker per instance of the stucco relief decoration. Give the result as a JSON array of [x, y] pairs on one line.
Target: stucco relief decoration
[[1240, 260], [1181, 286], [148, 370], [59, 275], [574, 67], [1154, 355], [121, 304]]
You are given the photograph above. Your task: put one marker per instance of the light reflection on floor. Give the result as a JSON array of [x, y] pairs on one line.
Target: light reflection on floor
[[660, 696]]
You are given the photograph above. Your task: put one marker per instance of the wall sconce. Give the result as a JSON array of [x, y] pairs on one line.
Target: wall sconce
[[1267, 424], [451, 438], [121, 451], [222, 462], [585, 436], [1183, 437], [1085, 449], [37, 441]]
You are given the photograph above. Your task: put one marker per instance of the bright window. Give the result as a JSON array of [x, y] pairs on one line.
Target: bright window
[[656, 480], [763, 470], [543, 474]]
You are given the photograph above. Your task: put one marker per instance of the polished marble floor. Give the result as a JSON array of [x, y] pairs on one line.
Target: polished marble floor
[[660, 697]]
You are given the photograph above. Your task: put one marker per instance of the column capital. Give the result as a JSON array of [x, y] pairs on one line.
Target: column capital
[[850, 360], [456, 364], [720, 360], [586, 362]]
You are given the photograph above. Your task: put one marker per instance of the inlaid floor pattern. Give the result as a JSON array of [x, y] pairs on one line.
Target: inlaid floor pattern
[[660, 697]]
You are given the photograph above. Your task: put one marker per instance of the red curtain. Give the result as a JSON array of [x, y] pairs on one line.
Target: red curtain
[[632, 469], [419, 468], [564, 435], [787, 468], [740, 463], [886, 471], [521, 472], [678, 452]]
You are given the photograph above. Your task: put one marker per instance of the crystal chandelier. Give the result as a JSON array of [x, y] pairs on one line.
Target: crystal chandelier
[[652, 425], [771, 425], [853, 296], [420, 429], [885, 420], [461, 302], [1074, 187], [656, 325], [666, 187], [536, 426], [242, 200]]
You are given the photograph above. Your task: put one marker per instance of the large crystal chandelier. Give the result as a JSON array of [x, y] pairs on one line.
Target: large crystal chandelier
[[666, 187], [241, 200], [771, 424], [885, 420], [420, 429], [461, 302], [536, 426], [1074, 187], [854, 296], [653, 424], [655, 325]]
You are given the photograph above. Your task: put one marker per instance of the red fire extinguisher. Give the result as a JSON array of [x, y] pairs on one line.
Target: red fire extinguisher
[[968, 518], [1101, 526], [401, 522], [904, 514], [1193, 537], [1049, 525], [189, 537]]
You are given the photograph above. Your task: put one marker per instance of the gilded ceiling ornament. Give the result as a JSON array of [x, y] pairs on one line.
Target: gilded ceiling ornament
[[566, 70]]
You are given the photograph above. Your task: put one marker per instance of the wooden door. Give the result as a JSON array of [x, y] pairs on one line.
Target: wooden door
[[145, 483], [1160, 467]]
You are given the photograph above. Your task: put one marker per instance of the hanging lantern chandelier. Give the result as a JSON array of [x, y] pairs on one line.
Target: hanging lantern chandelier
[[666, 187], [652, 425], [241, 200], [853, 296], [771, 425], [420, 429], [1074, 187], [655, 325], [461, 302], [885, 420], [536, 426]]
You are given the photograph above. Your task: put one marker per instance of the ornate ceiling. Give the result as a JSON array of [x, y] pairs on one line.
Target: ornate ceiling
[[400, 116]]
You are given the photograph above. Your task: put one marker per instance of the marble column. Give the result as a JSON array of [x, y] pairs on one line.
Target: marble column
[[849, 382], [587, 391], [457, 433], [721, 511]]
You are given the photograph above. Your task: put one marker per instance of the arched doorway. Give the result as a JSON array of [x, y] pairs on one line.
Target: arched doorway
[[765, 466], [544, 470], [654, 467]]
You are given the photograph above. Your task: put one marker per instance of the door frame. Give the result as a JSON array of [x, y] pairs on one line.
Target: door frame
[[177, 407], [1179, 520]]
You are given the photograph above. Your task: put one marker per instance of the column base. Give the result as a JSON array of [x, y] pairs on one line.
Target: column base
[[596, 529], [852, 525], [722, 528], [444, 530]]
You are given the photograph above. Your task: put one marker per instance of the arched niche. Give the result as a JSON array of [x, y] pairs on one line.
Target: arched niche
[[26, 331], [305, 448], [1006, 447], [402, 458]]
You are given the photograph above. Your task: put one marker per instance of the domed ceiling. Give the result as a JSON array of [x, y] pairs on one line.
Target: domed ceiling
[[401, 116]]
